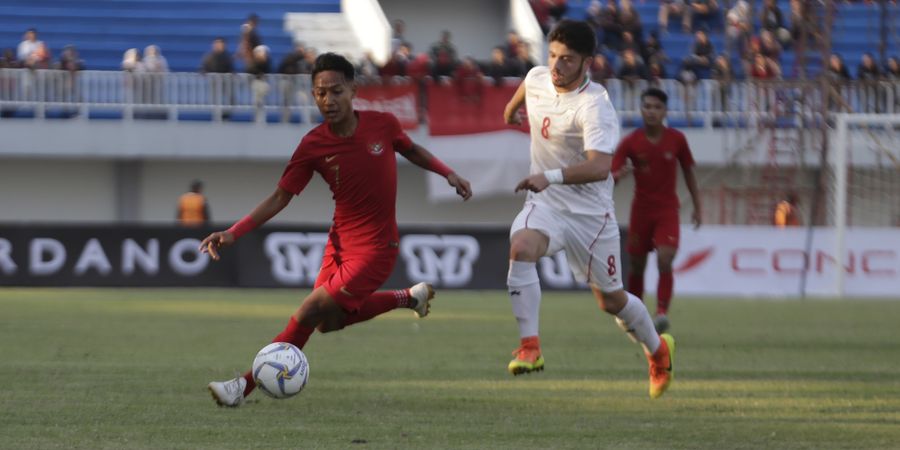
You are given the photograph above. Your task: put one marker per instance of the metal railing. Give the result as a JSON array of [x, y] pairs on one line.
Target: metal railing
[[706, 103]]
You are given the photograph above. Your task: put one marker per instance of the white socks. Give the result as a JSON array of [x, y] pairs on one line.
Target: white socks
[[636, 318], [525, 296]]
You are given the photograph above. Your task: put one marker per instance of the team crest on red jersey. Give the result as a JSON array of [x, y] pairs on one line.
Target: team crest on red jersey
[[668, 155], [376, 148]]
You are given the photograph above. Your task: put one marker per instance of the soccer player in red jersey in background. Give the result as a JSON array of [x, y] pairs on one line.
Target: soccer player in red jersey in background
[[653, 151], [354, 151]]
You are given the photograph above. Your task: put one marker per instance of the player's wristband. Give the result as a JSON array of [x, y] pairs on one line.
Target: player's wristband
[[242, 227], [437, 166], [554, 176]]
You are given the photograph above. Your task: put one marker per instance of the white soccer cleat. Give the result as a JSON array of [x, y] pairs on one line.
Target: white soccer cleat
[[228, 393], [628, 331], [422, 293]]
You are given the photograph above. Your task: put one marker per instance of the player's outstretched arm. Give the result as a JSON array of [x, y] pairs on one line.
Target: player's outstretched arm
[[511, 112], [421, 157], [266, 209], [691, 181]]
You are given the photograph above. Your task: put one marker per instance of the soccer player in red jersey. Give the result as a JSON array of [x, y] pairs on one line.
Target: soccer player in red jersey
[[355, 152], [653, 151]]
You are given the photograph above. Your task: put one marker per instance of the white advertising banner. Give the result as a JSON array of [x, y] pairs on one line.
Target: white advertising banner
[[772, 262]]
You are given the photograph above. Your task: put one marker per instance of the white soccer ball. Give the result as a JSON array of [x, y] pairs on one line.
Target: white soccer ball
[[280, 370]]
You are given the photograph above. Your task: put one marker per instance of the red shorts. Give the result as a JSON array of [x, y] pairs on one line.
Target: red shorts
[[351, 278], [649, 229]]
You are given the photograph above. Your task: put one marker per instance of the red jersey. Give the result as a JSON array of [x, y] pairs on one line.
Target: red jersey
[[654, 166], [361, 171]]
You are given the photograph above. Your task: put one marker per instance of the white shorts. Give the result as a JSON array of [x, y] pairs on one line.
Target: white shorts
[[591, 242]]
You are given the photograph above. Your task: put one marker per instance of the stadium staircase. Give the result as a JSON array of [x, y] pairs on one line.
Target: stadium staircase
[[102, 30]]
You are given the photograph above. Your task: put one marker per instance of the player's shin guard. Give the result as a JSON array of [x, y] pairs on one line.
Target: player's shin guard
[[664, 292], [636, 318], [525, 296]]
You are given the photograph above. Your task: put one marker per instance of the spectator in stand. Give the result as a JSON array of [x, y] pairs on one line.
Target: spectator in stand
[[154, 61], [868, 70], [217, 60], [762, 68], [798, 20], [601, 70], [397, 38], [771, 20], [556, 9], [500, 66], [40, 58], [29, 44], [396, 66], [420, 67], [668, 8], [656, 72], [892, 69], [738, 28], [260, 66], [653, 51], [592, 17], [703, 14], [837, 70], [630, 20], [193, 207], [468, 80], [367, 69], [249, 39], [131, 61], [612, 28], [523, 60], [69, 60], [513, 42], [290, 64], [632, 68], [443, 53], [769, 46], [629, 42], [724, 75], [9, 60], [309, 61], [702, 53]]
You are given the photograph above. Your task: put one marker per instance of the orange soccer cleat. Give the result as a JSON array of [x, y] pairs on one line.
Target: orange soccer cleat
[[527, 357], [662, 368]]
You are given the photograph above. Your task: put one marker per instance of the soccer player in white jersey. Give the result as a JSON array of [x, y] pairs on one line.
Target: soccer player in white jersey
[[574, 133]]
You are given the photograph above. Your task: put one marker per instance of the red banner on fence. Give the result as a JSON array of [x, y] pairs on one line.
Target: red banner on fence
[[468, 108], [399, 100]]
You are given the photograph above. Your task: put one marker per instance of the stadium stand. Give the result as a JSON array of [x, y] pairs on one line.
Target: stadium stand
[[184, 29]]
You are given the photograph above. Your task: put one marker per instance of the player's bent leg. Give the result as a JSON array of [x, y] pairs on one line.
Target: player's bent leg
[[659, 349]]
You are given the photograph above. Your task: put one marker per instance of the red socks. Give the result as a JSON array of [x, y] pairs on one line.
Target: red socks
[[379, 303], [664, 293]]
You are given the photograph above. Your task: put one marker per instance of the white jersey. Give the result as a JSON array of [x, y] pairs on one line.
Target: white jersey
[[563, 127]]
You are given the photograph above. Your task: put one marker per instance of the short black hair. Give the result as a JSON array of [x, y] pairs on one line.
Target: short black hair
[[575, 34], [657, 93], [333, 61], [196, 186]]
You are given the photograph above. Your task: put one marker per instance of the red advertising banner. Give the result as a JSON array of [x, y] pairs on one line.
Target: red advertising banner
[[399, 100], [469, 108]]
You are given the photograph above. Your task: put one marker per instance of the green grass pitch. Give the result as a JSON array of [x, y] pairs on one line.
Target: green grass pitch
[[122, 369]]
